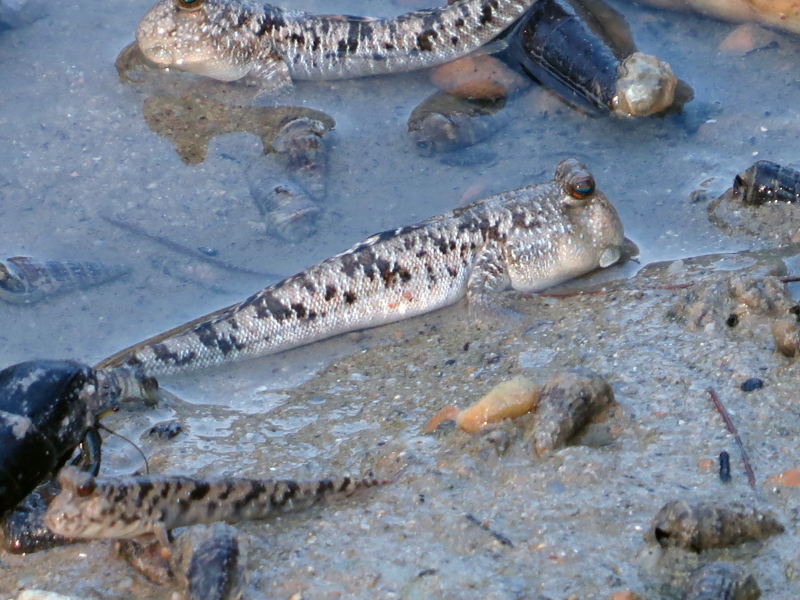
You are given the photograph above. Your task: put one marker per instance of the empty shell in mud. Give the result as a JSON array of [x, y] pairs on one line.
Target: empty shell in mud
[[567, 403], [24, 280], [506, 400], [707, 525]]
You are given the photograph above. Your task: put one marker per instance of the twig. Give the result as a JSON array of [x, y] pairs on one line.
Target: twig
[[611, 290], [181, 249], [751, 477], [498, 536]]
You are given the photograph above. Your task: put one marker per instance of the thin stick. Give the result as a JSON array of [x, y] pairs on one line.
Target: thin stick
[[751, 477], [496, 535], [181, 249]]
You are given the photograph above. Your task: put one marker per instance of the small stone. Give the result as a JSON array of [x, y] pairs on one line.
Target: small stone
[[705, 465], [789, 478], [754, 383], [746, 38], [786, 336], [477, 77], [166, 430], [624, 595]]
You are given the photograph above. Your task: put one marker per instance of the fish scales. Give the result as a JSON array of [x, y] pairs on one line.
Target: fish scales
[[89, 508], [229, 39], [528, 239]]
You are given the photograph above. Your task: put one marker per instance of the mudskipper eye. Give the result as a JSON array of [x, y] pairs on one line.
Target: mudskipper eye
[[581, 187], [86, 486], [188, 4]]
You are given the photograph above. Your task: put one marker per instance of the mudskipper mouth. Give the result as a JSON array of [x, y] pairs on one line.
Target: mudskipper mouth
[[159, 55]]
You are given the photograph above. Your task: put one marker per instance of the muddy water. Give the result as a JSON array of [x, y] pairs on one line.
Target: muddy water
[[74, 147]]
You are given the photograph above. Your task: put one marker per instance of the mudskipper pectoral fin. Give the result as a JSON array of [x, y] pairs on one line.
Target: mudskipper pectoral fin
[[610, 256]]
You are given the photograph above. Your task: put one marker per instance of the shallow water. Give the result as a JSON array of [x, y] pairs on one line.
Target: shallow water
[[74, 146]]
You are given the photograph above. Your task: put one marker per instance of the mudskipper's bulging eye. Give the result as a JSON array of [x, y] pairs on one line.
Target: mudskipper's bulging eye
[[86, 486], [188, 4], [581, 187]]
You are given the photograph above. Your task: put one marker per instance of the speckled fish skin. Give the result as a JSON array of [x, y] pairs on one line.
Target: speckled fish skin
[[528, 239], [229, 39], [89, 508]]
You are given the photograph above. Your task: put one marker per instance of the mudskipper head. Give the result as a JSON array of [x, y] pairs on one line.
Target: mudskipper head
[[215, 38], [567, 229], [74, 513], [597, 232]]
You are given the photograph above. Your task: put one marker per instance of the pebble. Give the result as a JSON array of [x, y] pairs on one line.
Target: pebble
[[786, 336], [754, 383], [789, 478], [624, 595], [42, 595], [746, 38], [477, 77], [566, 405], [507, 400]]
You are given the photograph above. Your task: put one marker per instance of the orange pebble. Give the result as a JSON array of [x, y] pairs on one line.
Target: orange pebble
[[789, 478], [448, 412], [624, 595], [705, 464], [508, 400], [481, 77]]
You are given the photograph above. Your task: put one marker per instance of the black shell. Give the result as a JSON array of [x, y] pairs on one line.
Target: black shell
[[43, 417], [766, 182], [566, 48]]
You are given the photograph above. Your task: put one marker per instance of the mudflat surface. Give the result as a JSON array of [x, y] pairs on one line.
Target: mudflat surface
[[74, 147]]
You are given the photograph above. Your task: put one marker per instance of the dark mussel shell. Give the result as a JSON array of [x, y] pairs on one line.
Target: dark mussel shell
[[43, 418], [766, 182], [575, 56], [584, 51]]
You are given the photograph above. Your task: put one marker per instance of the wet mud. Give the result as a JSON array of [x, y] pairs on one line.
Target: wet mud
[[471, 515]]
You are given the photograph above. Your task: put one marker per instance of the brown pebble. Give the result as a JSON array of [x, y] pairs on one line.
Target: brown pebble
[[507, 400], [624, 595], [706, 525], [789, 478], [786, 336], [705, 465], [746, 38], [566, 405], [479, 77], [448, 412]]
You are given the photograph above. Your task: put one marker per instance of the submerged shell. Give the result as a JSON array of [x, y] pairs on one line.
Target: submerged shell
[[446, 123], [766, 182], [721, 581], [302, 153], [702, 526], [286, 208], [24, 280]]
